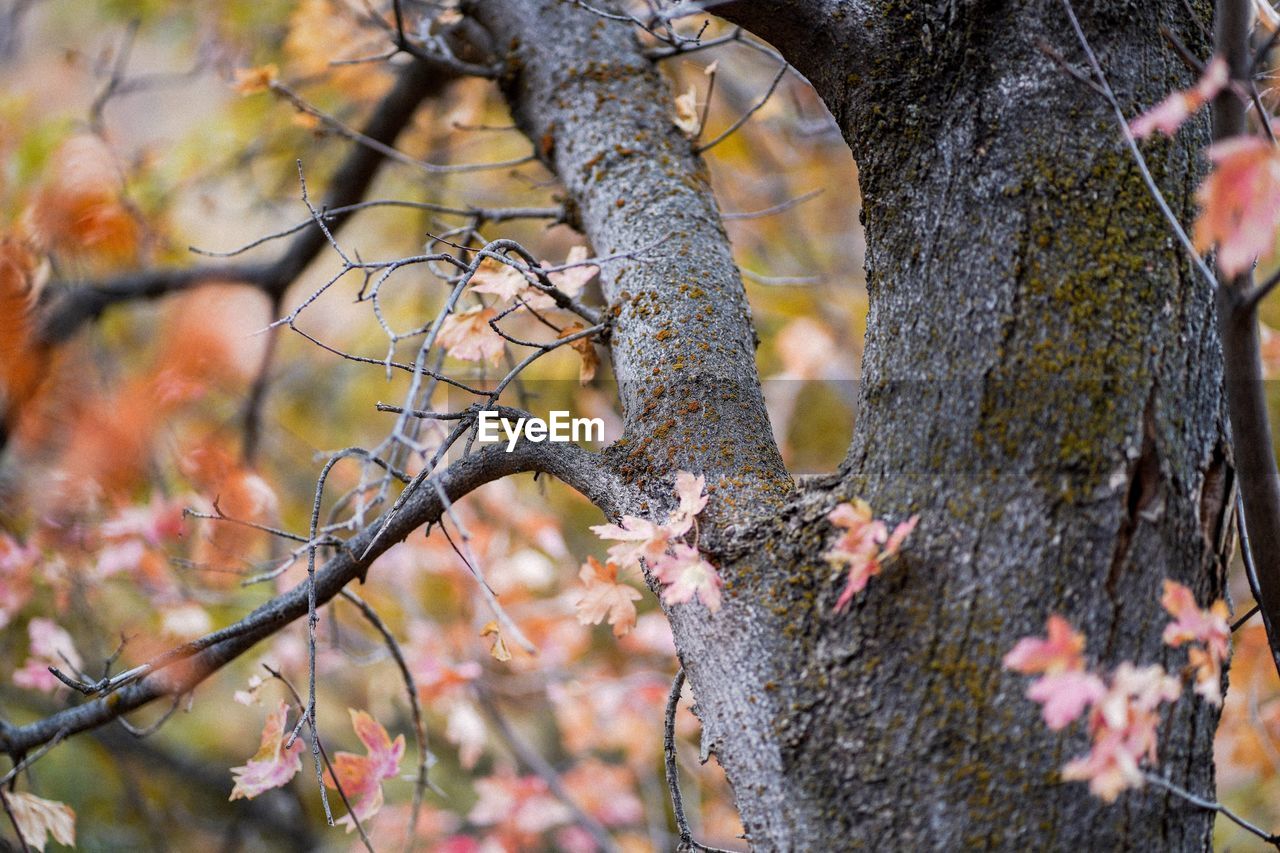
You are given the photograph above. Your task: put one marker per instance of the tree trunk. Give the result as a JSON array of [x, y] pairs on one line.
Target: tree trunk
[[1041, 384]]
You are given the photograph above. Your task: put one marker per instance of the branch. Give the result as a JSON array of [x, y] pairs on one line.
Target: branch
[[1242, 358], [182, 669], [76, 304], [673, 771], [682, 342]]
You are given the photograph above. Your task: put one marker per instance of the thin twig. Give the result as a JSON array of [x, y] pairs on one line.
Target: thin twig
[[1212, 805], [673, 771], [415, 705]]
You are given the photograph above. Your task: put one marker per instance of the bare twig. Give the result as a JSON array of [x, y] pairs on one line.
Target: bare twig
[[415, 706], [1212, 805], [687, 842]]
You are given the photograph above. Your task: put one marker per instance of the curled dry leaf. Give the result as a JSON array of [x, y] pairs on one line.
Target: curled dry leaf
[[686, 117], [586, 350], [499, 648], [250, 81], [38, 818]]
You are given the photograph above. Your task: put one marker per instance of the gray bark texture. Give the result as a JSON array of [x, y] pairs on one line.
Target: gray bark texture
[[1042, 384]]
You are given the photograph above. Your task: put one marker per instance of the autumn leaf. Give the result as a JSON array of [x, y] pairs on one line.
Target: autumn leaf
[[571, 281], [499, 649], [637, 538], [691, 494], [685, 573], [1168, 115], [79, 208], [686, 117], [586, 351], [1209, 630], [361, 776], [467, 336], [38, 818], [22, 357], [864, 546], [272, 765], [50, 646], [1061, 651], [502, 280], [1240, 202], [606, 597], [250, 81], [1123, 725]]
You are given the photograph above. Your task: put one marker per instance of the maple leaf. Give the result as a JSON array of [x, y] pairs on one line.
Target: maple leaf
[[686, 573], [466, 336], [38, 818], [502, 280], [571, 281], [1123, 725], [361, 776], [637, 538], [1239, 202], [606, 596], [1168, 115], [1109, 767], [864, 546], [586, 351], [686, 117], [1208, 628], [250, 81], [1061, 651], [1065, 690], [1064, 696], [272, 765], [691, 493]]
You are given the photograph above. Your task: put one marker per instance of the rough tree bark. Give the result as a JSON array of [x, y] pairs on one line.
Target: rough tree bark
[[1042, 384]]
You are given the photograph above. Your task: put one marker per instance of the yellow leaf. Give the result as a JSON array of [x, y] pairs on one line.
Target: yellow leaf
[[251, 81], [499, 649]]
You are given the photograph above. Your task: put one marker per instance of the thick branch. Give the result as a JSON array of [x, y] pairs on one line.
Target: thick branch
[[683, 345], [683, 350], [578, 468], [80, 303]]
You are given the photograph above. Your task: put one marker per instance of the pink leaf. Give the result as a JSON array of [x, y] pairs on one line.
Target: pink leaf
[[1061, 652], [272, 765], [686, 574], [1168, 115], [361, 775], [1065, 696], [1240, 202]]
